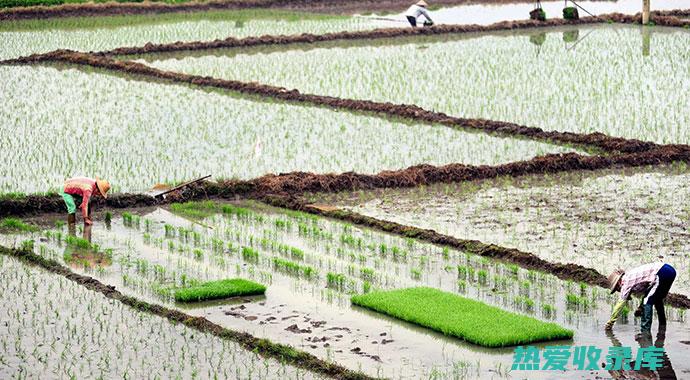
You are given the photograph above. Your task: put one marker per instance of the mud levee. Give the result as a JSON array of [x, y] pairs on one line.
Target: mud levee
[[662, 18], [410, 112], [115, 8], [298, 183], [41, 204], [249, 342], [526, 260]]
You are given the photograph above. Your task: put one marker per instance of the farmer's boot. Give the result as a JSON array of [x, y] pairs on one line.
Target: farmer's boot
[[646, 323], [71, 224], [659, 306]]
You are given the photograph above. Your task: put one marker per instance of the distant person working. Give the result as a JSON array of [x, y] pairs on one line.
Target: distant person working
[[417, 10], [652, 281]]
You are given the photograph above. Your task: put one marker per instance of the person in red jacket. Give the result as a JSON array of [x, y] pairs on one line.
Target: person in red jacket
[[79, 190]]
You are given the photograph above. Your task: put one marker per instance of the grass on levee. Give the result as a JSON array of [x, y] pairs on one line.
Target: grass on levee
[[219, 289], [467, 319]]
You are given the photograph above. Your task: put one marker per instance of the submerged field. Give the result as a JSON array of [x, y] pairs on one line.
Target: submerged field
[[603, 220], [242, 280], [311, 266], [537, 78], [145, 133], [20, 38], [55, 328]]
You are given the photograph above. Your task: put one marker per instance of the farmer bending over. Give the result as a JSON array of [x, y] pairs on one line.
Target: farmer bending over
[[653, 281], [79, 190], [417, 10]]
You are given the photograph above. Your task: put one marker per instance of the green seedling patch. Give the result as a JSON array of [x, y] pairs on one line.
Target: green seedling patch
[[452, 315], [219, 289]]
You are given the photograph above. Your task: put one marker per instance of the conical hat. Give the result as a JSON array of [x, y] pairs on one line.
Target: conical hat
[[103, 186]]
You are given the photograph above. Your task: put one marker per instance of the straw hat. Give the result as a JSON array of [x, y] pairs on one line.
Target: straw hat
[[614, 277], [103, 186], [422, 3]]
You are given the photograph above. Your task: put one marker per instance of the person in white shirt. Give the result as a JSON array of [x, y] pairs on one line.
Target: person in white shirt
[[417, 10]]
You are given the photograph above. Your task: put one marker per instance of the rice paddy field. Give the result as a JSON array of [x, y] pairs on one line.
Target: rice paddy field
[[383, 203]]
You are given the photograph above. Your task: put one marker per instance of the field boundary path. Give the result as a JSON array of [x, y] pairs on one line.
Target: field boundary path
[[264, 347], [669, 18]]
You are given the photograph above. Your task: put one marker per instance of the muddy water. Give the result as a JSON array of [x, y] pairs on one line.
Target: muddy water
[[51, 327], [318, 318], [602, 220], [485, 14]]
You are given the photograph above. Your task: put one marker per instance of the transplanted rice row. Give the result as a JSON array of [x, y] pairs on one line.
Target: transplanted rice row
[[494, 74], [668, 18], [283, 353], [224, 123], [596, 140]]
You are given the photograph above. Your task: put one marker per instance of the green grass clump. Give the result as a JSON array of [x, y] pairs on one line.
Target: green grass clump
[[219, 289], [195, 209], [250, 254], [293, 268], [15, 224], [460, 317]]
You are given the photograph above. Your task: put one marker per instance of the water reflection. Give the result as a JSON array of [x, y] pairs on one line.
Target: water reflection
[[645, 340]]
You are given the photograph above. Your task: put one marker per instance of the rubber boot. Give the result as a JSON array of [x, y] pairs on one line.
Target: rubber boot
[[646, 322], [71, 218], [660, 312]]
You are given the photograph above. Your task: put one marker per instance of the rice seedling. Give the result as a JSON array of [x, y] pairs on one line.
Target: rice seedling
[[14, 224], [219, 289], [250, 254], [293, 268], [460, 317], [336, 280]]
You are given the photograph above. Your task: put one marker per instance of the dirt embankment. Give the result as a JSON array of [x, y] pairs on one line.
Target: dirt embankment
[[42, 204], [664, 18], [263, 347], [411, 112], [297, 183], [526, 260]]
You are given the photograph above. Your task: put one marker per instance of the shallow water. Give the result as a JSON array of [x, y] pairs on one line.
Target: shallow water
[[146, 259], [137, 133], [563, 79], [21, 38], [602, 220], [54, 328]]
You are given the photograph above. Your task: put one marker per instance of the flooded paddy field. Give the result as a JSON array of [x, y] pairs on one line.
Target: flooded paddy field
[[563, 79], [485, 14], [312, 265], [198, 132], [54, 328], [602, 219], [25, 37]]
